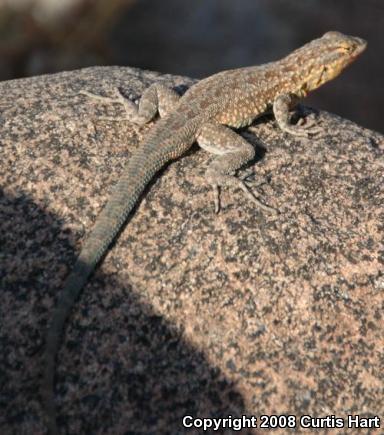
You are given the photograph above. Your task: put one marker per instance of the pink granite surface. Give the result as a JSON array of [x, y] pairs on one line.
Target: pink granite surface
[[190, 312]]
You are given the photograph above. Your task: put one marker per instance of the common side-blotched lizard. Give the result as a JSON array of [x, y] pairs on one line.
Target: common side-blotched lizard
[[205, 113]]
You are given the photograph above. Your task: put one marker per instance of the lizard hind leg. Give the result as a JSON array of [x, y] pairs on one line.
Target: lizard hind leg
[[232, 151], [157, 98]]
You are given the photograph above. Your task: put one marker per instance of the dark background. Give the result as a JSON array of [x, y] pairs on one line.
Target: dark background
[[195, 38]]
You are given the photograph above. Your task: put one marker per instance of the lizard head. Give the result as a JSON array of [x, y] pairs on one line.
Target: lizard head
[[324, 58]]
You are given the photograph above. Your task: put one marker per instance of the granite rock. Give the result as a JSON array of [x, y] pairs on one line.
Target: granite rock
[[190, 313]]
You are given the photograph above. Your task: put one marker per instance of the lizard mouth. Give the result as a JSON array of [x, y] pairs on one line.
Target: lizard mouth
[[354, 50], [359, 47]]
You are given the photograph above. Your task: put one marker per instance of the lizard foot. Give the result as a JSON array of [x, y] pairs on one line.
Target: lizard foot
[[231, 181], [129, 106], [307, 131]]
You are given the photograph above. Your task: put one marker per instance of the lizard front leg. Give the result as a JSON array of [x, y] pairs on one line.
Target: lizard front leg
[[233, 151], [281, 108], [155, 99]]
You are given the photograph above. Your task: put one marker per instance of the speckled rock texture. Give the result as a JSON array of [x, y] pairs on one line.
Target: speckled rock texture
[[190, 312]]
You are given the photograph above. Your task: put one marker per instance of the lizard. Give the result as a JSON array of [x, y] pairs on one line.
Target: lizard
[[208, 113]]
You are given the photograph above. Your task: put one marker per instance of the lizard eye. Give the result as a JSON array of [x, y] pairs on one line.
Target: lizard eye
[[346, 48]]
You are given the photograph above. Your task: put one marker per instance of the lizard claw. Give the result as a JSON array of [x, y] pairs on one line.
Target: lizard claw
[[255, 200], [250, 174], [309, 125], [130, 107], [248, 177], [304, 131]]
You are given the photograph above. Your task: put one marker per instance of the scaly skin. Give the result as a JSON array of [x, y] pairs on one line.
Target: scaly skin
[[228, 99]]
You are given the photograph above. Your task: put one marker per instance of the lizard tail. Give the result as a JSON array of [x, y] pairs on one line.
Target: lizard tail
[[139, 171]]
